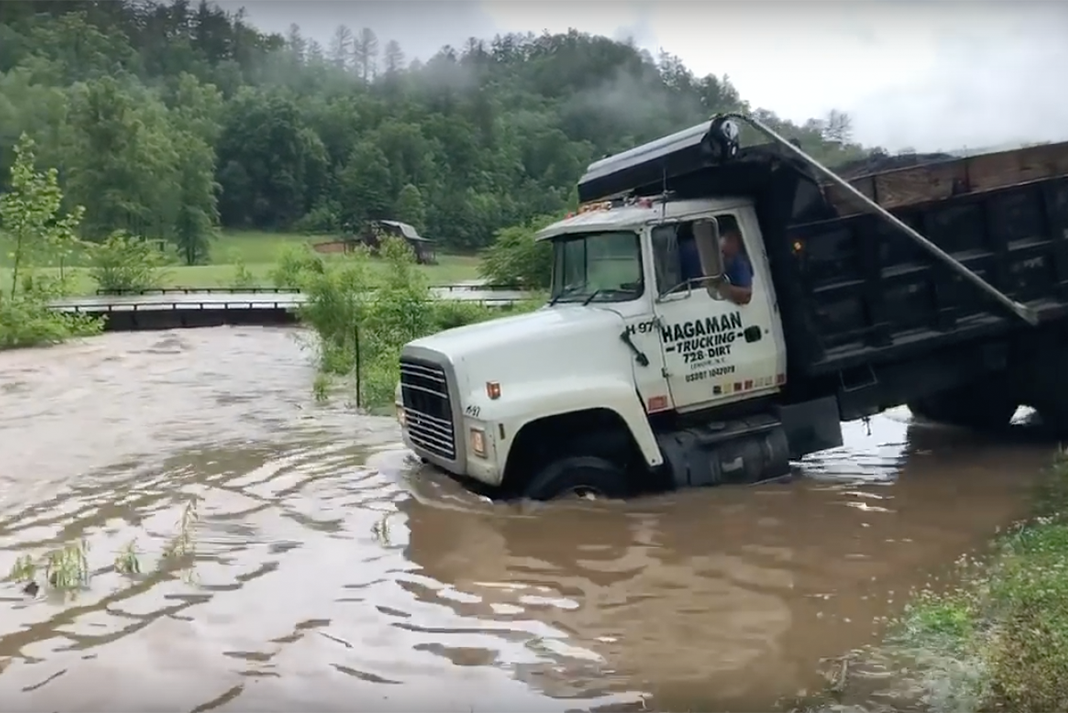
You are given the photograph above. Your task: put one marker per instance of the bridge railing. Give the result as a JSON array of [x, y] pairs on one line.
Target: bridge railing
[[220, 305], [281, 290], [198, 291]]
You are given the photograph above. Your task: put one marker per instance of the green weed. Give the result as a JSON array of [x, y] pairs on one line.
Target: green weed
[[127, 561], [1000, 640], [66, 569]]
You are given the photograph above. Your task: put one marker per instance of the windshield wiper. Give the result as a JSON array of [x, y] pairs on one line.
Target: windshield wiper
[[570, 290], [594, 294]]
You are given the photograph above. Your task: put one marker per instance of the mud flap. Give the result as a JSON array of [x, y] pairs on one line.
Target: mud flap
[[812, 426]]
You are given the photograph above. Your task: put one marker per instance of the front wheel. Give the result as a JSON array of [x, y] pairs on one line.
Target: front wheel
[[578, 476]]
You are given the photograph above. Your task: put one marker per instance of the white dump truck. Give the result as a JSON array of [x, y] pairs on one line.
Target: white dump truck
[[717, 311]]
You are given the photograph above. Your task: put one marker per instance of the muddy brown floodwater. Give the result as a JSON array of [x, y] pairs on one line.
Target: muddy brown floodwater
[[334, 573]]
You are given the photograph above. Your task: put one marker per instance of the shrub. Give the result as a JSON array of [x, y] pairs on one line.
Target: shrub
[[295, 265], [323, 218], [516, 258], [26, 321], [125, 263], [357, 317], [241, 277], [457, 313]]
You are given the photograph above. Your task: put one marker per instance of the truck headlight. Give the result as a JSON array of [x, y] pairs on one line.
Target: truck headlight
[[401, 419], [478, 442]]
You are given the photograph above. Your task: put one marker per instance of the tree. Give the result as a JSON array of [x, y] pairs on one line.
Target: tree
[[363, 185], [123, 160], [341, 47], [160, 116], [296, 43], [365, 54], [838, 127], [30, 214], [393, 58], [410, 209], [266, 154], [197, 202]]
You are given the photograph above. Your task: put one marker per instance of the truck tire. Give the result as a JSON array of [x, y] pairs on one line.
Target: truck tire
[[975, 406], [578, 475], [1047, 386]]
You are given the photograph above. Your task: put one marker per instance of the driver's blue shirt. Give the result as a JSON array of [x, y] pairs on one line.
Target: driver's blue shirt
[[739, 271]]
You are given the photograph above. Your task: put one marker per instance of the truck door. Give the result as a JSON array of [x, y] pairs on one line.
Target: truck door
[[719, 344]]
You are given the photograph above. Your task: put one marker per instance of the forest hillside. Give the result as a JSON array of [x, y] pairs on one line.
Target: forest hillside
[[170, 120]]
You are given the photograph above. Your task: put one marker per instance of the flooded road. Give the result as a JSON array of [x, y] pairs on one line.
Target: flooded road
[[332, 573]]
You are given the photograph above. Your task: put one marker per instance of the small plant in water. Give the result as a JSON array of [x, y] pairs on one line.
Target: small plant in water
[[24, 569], [182, 546], [321, 388], [127, 561], [67, 568], [380, 530]]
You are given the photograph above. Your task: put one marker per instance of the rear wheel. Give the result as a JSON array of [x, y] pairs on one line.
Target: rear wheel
[[981, 406], [578, 476], [1047, 387]]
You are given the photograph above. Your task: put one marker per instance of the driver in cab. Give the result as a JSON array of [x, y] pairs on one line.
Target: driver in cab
[[738, 287]]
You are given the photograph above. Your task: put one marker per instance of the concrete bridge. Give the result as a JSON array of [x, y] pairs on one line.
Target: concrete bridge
[[171, 308]]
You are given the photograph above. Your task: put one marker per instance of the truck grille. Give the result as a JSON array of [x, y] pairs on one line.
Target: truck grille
[[427, 407]]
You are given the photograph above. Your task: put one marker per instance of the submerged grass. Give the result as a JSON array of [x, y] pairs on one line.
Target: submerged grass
[[998, 640], [66, 570]]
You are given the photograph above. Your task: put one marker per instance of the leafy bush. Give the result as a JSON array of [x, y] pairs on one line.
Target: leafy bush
[[321, 219], [242, 277], [30, 215], [295, 263], [456, 313], [125, 263], [357, 317], [26, 321], [516, 258]]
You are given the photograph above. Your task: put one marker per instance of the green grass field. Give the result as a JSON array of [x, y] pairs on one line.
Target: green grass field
[[258, 252]]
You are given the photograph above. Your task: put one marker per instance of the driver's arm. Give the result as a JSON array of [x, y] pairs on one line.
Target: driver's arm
[[739, 289]]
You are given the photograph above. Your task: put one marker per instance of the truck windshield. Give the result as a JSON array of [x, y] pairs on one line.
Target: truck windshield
[[597, 267]]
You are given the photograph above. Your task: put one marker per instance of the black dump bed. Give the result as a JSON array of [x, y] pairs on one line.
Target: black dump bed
[[852, 288]]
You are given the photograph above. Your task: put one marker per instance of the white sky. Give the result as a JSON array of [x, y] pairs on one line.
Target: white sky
[[940, 74]]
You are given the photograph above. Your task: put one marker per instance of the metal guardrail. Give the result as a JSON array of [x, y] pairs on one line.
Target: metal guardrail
[[478, 288], [281, 290], [173, 306], [190, 306], [198, 291]]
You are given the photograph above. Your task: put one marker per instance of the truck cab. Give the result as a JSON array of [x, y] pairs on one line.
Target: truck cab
[[642, 322], [714, 314]]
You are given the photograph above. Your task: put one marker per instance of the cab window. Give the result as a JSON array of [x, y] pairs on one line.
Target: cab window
[[687, 252], [597, 267]]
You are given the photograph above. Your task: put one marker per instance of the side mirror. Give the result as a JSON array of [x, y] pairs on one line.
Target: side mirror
[[706, 231], [706, 235]]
